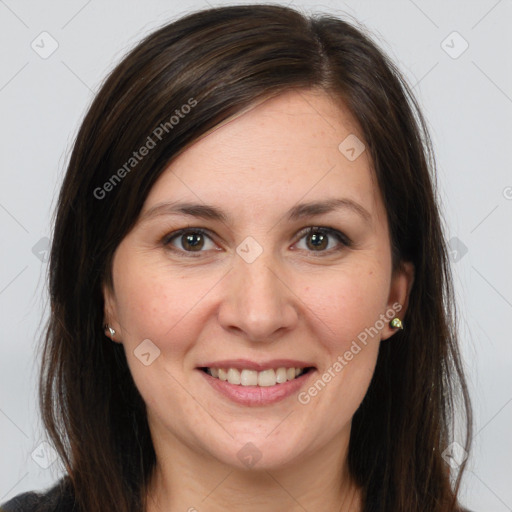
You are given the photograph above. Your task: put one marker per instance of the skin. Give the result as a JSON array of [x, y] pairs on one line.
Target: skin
[[293, 301]]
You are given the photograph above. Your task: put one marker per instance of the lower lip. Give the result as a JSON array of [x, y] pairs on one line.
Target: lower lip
[[256, 395]]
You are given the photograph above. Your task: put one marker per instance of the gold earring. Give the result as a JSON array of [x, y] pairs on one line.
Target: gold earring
[[396, 323], [110, 330]]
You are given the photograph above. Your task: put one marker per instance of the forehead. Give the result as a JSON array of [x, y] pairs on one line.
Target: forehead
[[279, 151]]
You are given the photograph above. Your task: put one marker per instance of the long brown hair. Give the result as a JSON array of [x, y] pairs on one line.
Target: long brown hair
[[218, 62]]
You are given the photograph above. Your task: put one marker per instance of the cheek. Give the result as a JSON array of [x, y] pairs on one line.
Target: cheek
[[347, 303], [154, 304], [344, 310], [157, 305]]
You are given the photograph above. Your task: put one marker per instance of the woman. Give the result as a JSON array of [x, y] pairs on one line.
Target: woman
[[251, 299]]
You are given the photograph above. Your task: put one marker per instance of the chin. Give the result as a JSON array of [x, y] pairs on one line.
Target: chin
[[260, 454]]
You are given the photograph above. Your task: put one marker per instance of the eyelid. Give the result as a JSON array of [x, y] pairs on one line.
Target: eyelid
[[169, 237], [343, 239]]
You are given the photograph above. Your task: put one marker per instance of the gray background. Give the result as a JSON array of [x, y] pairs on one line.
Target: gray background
[[466, 97]]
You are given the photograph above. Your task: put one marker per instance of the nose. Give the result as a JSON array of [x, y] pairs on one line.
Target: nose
[[258, 303]]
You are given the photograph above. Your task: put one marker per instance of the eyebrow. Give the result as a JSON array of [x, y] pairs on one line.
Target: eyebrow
[[300, 211]]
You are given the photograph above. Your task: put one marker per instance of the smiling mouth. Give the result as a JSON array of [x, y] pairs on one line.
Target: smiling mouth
[[265, 378]]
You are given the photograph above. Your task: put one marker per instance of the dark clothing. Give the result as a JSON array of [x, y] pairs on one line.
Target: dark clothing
[[58, 498]]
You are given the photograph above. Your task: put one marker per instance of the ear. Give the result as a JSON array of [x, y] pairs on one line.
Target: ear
[[110, 313], [399, 291]]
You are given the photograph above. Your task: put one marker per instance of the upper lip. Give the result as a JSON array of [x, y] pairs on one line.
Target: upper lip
[[242, 364]]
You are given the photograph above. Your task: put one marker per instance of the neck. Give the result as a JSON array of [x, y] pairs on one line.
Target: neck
[[184, 480]]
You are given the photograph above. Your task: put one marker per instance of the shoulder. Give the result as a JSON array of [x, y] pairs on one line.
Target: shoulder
[[58, 498]]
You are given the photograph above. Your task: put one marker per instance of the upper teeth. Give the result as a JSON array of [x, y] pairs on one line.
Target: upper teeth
[[269, 377]]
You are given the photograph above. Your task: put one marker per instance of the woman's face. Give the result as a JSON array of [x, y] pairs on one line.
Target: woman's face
[[246, 287]]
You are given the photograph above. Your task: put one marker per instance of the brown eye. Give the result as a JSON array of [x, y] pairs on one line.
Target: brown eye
[[189, 241], [317, 241], [324, 240], [192, 241]]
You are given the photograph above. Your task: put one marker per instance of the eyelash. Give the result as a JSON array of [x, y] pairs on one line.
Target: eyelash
[[341, 237]]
